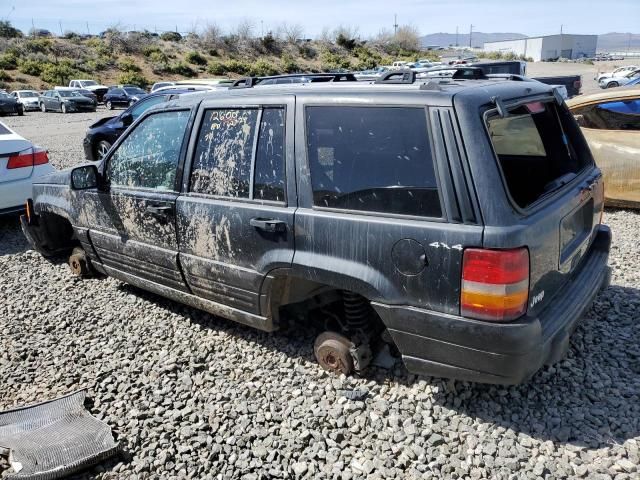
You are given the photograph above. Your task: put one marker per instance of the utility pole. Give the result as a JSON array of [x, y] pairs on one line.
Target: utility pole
[[33, 28], [395, 24], [561, 26], [470, 34], [88, 32], [262, 28], [456, 35], [60, 23], [629, 45]]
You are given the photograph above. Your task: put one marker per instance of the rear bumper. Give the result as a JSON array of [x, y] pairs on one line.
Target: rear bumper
[[442, 345]]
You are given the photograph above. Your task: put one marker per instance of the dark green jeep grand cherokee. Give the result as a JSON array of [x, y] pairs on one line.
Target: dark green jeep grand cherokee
[[457, 220]]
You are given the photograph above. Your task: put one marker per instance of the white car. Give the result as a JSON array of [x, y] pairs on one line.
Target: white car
[[158, 85], [618, 72], [612, 82], [20, 163], [30, 99]]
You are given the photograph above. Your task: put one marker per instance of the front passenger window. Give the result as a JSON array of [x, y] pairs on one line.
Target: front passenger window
[[148, 157]]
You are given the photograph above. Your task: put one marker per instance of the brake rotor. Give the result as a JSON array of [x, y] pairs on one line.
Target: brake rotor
[[332, 351], [78, 262]]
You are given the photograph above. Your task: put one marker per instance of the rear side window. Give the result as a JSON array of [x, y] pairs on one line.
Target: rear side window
[[539, 149], [621, 115], [269, 174], [374, 159]]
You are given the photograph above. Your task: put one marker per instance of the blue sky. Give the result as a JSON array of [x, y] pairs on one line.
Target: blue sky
[[531, 17]]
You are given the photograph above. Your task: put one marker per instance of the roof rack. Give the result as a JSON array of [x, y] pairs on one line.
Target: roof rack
[[391, 77], [250, 82]]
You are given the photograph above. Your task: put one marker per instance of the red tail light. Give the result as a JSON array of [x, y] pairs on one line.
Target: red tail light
[[495, 284], [28, 158]]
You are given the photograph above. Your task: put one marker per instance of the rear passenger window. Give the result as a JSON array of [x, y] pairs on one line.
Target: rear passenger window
[[374, 159], [539, 149], [269, 174], [222, 163]]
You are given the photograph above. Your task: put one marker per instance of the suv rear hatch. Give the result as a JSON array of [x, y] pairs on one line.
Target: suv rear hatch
[[554, 189]]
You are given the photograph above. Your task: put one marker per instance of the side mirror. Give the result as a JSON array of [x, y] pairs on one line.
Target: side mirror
[[580, 120], [84, 177], [127, 119]]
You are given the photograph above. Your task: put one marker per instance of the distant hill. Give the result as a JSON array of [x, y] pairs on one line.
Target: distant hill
[[478, 38], [618, 42], [608, 42]]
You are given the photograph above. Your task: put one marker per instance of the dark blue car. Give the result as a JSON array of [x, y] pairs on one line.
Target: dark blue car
[[126, 96], [103, 133]]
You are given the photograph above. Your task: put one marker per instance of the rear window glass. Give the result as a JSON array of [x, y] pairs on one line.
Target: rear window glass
[[620, 115], [375, 159], [4, 130], [539, 149]]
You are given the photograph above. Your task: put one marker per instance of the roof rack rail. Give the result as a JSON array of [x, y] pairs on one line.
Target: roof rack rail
[[250, 82], [246, 82], [391, 77]]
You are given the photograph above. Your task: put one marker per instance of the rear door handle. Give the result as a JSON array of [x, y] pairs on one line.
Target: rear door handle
[[268, 225]]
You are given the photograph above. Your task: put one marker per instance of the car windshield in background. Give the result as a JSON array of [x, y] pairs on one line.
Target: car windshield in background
[[134, 90], [5, 96], [67, 93], [88, 83], [539, 150], [28, 94]]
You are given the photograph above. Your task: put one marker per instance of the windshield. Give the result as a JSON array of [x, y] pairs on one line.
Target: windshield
[[88, 83], [28, 94], [5, 96], [134, 90], [67, 93]]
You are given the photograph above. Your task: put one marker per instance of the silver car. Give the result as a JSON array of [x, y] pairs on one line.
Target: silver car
[[28, 98]]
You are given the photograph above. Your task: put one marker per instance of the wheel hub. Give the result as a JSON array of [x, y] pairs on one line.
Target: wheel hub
[[332, 351]]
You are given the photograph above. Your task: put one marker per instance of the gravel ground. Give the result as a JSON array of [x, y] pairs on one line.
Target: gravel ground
[[193, 396]]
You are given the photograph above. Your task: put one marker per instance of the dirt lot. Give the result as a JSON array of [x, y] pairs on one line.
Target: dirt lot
[[192, 396]]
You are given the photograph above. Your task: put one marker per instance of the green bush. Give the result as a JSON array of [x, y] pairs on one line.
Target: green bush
[[128, 65], [4, 76], [215, 68], [195, 58], [171, 37], [236, 66], [158, 57], [8, 61], [133, 78], [59, 73], [31, 67], [181, 68], [263, 68], [38, 45], [100, 47], [332, 61], [95, 64], [150, 49], [289, 65]]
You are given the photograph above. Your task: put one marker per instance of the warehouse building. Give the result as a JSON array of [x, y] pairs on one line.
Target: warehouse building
[[548, 47]]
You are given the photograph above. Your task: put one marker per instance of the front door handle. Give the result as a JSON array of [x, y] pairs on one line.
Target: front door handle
[[159, 210], [269, 225]]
